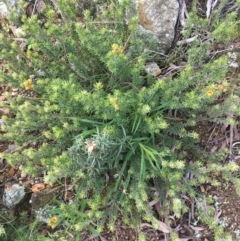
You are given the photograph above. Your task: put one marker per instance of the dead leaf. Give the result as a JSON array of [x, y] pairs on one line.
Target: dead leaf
[[185, 239], [182, 13], [1, 159], [153, 202], [158, 208], [4, 111], [163, 227], [236, 158], [38, 187], [2, 98], [217, 214], [236, 134], [189, 40], [68, 195], [224, 128], [224, 144], [45, 232], [2, 176], [214, 148], [146, 225], [202, 188], [17, 32], [36, 8], [11, 172], [13, 29], [40, 6], [196, 228], [91, 146], [8, 185], [49, 185], [209, 6], [25, 184], [102, 238]]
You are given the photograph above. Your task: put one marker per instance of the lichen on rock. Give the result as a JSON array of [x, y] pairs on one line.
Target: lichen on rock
[[158, 18], [13, 194]]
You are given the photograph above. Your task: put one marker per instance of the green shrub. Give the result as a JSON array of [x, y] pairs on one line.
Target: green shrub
[[20, 228], [87, 110]]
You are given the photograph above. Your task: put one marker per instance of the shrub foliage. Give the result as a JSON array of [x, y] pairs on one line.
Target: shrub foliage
[[86, 108]]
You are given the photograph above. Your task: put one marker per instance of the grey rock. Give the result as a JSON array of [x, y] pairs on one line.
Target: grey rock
[[3, 10], [23, 175], [40, 199], [6, 7], [19, 33], [157, 20], [44, 214], [148, 35], [41, 204], [13, 195], [1, 123], [152, 69], [11, 149], [233, 60]]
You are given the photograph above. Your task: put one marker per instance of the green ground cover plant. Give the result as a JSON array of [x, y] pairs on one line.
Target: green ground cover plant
[[88, 111]]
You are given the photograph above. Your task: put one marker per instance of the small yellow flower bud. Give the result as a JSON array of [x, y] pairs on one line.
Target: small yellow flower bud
[[112, 100], [210, 93], [54, 219], [25, 5], [116, 49], [115, 46], [29, 55], [28, 84], [116, 107]]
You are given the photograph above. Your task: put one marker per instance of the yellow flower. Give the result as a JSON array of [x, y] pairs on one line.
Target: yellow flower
[[210, 92], [116, 49], [25, 5], [220, 87], [53, 221], [28, 84], [112, 100], [29, 55], [29, 87], [116, 107], [115, 46], [120, 50]]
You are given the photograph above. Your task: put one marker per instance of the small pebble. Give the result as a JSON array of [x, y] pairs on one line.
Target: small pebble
[[23, 175]]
